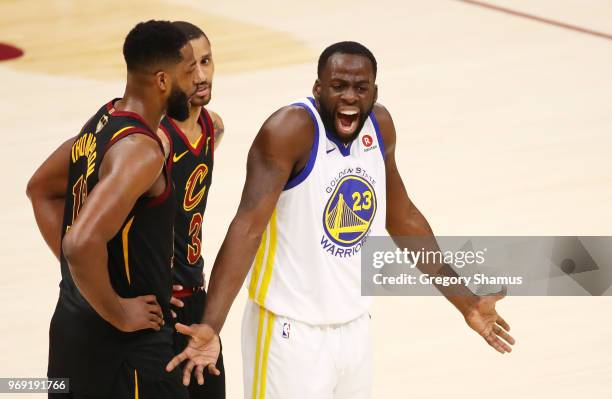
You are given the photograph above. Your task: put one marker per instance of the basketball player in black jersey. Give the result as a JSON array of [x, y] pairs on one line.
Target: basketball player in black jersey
[[191, 145], [108, 333]]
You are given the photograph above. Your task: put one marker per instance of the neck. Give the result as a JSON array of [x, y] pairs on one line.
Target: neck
[[142, 100], [190, 124]]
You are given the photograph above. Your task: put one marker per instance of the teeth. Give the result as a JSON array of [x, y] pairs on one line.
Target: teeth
[[348, 113]]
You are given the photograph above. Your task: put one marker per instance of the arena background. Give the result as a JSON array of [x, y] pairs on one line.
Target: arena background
[[504, 127]]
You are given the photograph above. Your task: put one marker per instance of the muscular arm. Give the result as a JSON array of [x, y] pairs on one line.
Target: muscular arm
[[279, 149], [47, 191], [405, 222], [218, 126], [129, 169]]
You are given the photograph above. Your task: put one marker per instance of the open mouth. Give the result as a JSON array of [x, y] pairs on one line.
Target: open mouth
[[347, 121]]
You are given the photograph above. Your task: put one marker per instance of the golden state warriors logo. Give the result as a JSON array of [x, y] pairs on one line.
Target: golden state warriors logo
[[348, 215]]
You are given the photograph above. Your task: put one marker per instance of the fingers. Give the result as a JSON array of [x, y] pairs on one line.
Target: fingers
[[499, 345], [213, 370], [156, 319], [503, 323], [156, 310], [150, 299], [176, 360], [183, 329], [177, 287], [503, 334], [199, 373], [154, 325], [173, 314], [176, 302], [187, 372]]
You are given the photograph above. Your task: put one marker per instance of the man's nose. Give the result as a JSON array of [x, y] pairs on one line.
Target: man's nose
[[349, 95], [200, 75]]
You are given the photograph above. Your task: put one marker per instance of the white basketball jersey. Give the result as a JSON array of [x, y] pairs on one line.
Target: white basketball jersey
[[308, 266]]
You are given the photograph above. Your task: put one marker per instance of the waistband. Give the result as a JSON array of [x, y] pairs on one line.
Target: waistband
[[186, 292]]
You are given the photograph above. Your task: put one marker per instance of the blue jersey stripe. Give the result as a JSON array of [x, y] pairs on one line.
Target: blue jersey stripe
[[300, 177]]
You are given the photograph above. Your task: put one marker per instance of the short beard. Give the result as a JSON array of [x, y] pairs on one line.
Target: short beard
[[178, 105]]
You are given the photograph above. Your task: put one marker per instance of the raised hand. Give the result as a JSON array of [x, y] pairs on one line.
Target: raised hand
[[483, 319], [201, 351], [140, 313]]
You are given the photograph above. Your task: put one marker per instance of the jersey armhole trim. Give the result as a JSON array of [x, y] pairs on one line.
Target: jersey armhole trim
[[210, 130], [381, 143], [160, 199], [303, 174], [169, 159], [149, 201]]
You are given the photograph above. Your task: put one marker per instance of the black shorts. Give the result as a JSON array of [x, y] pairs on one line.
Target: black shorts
[[129, 384], [102, 362], [214, 386]]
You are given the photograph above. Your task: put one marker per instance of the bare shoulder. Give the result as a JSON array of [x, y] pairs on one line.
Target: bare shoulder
[[135, 149], [288, 129], [383, 117], [290, 119], [165, 139], [217, 123], [385, 123]]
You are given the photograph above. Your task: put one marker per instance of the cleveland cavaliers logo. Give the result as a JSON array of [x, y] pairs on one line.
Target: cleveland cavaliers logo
[[194, 191], [349, 211]]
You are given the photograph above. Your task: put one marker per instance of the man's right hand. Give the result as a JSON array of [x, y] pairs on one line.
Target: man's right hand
[[202, 352], [140, 313]]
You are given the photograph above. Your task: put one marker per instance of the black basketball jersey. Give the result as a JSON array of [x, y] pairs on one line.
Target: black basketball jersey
[[191, 167], [83, 346]]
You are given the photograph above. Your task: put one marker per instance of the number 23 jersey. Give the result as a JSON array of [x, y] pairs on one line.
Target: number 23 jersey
[[308, 266]]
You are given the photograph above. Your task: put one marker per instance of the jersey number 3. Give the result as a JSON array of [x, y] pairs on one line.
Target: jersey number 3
[[195, 248]]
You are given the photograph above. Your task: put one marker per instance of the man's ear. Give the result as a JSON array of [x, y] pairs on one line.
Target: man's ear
[[375, 93], [316, 89], [162, 80]]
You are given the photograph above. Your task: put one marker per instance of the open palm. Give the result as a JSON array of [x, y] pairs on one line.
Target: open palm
[[483, 319], [201, 352]]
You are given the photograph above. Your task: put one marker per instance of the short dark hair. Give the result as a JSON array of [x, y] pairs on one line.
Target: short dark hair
[[345, 48], [151, 43], [190, 30]]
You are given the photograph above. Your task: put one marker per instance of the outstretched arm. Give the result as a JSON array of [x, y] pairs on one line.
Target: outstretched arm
[[280, 148], [404, 220], [129, 169], [47, 191]]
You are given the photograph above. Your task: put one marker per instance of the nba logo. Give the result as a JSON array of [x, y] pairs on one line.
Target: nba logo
[[286, 329], [367, 140]]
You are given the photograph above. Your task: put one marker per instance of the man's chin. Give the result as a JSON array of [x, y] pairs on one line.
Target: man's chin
[[344, 136], [197, 101]]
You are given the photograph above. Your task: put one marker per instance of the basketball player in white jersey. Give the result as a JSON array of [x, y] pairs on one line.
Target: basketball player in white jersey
[[321, 178]]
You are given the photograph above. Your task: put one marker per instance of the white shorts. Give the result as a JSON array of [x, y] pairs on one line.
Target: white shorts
[[287, 359]]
